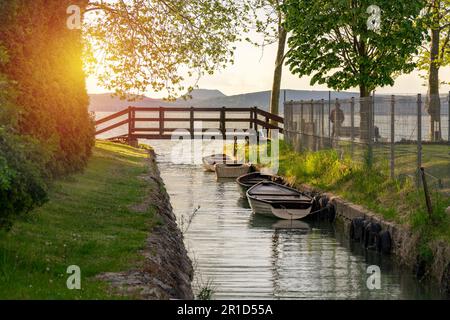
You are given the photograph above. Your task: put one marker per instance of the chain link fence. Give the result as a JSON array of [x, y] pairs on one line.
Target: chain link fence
[[399, 133]]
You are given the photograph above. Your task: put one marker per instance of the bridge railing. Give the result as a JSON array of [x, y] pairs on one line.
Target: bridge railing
[[157, 123]]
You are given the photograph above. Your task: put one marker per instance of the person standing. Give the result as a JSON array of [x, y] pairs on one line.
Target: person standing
[[337, 118]]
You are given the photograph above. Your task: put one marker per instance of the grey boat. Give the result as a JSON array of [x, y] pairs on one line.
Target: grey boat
[[275, 200]]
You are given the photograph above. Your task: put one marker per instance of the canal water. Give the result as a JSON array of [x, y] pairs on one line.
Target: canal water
[[244, 256]]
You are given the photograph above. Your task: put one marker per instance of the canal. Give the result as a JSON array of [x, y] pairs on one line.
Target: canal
[[244, 256]]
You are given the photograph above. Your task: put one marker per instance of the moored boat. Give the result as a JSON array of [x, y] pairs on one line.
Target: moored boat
[[209, 162], [275, 200], [231, 170], [249, 180]]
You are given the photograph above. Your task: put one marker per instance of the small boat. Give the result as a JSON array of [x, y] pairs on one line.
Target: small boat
[[249, 180], [231, 170], [275, 200], [209, 162]]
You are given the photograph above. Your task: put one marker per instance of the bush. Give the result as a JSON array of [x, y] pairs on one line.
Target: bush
[[22, 182], [22, 160], [46, 68]]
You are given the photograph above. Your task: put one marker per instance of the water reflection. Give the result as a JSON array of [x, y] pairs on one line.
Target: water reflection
[[248, 256]]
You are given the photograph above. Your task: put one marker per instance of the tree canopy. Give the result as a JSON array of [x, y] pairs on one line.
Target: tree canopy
[[331, 41], [153, 45]]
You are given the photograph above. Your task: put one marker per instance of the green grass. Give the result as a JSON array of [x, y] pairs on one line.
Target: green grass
[[87, 222], [435, 160]]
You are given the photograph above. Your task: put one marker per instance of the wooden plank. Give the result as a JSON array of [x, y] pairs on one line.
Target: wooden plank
[[111, 117], [118, 124], [268, 125], [270, 115], [188, 109]]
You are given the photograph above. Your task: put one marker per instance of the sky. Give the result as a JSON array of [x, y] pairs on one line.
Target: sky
[[253, 71]]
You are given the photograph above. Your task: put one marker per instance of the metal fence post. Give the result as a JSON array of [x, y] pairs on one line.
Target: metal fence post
[[352, 122], [419, 132], [322, 123], [329, 115], [312, 125], [300, 127], [371, 104], [392, 137]]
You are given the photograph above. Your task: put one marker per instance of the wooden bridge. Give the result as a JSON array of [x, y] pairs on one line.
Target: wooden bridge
[[162, 122]]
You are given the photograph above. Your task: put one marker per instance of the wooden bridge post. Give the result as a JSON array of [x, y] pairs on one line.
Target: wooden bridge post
[[161, 121], [255, 122], [191, 122], [352, 123], [131, 125], [222, 122]]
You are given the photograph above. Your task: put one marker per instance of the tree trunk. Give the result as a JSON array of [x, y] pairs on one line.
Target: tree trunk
[[365, 114], [276, 86], [433, 104]]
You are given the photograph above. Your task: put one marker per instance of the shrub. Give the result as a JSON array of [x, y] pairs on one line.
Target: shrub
[[22, 178], [22, 160], [46, 68]]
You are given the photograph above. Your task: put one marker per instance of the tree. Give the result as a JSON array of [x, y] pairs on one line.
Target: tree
[[268, 19], [332, 42], [140, 45], [434, 55], [45, 69]]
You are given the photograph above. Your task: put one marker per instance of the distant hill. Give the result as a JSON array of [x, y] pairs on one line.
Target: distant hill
[[406, 105], [214, 99]]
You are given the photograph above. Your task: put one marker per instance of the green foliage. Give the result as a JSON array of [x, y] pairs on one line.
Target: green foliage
[[330, 40], [150, 45], [22, 184], [205, 294], [45, 129], [437, 17], [43, 63]]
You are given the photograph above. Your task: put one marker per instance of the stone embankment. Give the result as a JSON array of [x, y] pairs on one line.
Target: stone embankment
[[166, 272]]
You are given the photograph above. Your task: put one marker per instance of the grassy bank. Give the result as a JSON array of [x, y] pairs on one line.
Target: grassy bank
[[88, 222], [395, 200]]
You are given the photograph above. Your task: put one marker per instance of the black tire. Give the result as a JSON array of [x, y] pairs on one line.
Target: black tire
[[352, 230], [331, 212], [364, 232], [385, 242], [323, 201], [357, 224], [367, 235], [375, 229]]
